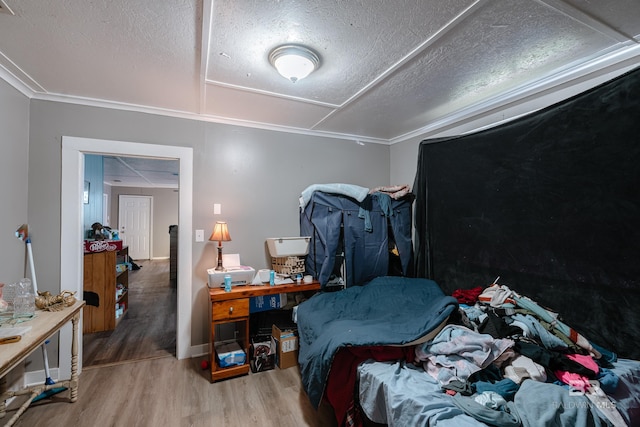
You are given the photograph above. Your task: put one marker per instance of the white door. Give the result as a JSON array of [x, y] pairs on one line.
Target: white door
[[134, 218]]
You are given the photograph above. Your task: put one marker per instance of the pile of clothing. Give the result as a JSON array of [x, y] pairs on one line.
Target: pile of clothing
[[501, 341]]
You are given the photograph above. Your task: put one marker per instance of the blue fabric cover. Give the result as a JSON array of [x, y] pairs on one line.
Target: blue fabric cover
[[399, 395], [365, 237], [387, 311]]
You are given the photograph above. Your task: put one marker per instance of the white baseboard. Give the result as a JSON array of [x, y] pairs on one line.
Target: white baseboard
[[33, 378], [200, 350], [38, 377]]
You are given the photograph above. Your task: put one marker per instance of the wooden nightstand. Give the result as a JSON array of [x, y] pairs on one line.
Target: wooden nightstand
[[228, 307]]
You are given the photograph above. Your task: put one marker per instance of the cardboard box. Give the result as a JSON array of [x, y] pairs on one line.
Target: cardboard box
[[230, 354], [261, 354], [267, 302], [285, 343]]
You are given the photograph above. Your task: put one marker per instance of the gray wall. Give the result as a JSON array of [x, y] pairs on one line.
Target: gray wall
[[256, 175], [93, 176], [165, 213], [14, 140]]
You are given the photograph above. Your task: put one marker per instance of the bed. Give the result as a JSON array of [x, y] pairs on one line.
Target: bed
[[370, 352]]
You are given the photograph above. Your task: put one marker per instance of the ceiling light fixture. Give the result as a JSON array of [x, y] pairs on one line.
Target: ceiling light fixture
[[294, 62]]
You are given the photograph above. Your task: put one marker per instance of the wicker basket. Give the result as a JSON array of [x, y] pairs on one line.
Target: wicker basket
[[288, 264]]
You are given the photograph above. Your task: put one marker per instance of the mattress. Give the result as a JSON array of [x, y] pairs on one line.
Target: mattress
[[388, 311]]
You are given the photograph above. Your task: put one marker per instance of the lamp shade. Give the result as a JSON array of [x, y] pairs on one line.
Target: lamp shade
[[220, 232], [294, 62]]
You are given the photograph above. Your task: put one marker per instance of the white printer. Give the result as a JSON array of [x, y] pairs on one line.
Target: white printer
[[240, 274]]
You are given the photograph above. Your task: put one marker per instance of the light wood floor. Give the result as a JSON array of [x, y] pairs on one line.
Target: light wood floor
[[148, 329], [145, 385], [171, 392]]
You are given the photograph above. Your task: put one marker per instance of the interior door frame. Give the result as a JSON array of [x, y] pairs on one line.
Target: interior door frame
[[150, 220], [71, 250]]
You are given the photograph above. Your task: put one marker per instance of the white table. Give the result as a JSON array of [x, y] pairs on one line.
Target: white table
[[45, 325]]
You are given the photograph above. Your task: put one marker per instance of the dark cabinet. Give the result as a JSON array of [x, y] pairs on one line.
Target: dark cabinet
[[173, 254]]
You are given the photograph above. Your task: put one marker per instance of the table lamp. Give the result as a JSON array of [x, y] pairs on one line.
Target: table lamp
[[220, 234]]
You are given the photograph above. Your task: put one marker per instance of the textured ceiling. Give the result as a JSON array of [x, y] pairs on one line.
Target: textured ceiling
[[389, 69], [140, 172]]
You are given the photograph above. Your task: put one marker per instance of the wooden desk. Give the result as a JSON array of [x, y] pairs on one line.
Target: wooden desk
[[45, 325], [229, 307]]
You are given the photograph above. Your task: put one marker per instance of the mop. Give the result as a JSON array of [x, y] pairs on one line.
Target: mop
[[23, 234]]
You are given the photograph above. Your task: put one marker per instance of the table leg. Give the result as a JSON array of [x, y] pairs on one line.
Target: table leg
[[74, 358], [3, 389]]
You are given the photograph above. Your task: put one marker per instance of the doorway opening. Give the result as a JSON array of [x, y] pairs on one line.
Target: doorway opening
[[142, 209], [71, 275]]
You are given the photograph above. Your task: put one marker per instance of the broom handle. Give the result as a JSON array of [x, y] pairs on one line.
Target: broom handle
[[46, 360], [35, 291], [31, 266]]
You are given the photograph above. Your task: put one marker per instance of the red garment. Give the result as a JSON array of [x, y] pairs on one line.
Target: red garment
[[342, 376], [576, 381], [586, 361], [467, 296]]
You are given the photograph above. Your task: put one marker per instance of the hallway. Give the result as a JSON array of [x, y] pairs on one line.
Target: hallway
[[148, 329]]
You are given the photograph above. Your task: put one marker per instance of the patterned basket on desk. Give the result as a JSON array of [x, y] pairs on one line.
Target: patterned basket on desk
[[288, 264]]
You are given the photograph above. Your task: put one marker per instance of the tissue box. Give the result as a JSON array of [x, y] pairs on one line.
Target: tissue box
[[230, 354]]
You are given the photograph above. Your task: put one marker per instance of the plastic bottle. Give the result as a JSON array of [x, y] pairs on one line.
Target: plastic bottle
[[227, 283], [272, 278]]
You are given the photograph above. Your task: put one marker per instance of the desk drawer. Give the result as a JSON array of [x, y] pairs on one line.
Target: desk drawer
[[231, 309]]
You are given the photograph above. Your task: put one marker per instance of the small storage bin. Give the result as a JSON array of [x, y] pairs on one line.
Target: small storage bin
[[288, 254], [288, 246], [288, 265]]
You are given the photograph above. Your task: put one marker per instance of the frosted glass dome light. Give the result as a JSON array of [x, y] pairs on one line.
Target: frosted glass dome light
[[294, 62]]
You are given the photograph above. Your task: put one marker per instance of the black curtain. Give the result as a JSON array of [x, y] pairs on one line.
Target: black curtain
[[550, 203]]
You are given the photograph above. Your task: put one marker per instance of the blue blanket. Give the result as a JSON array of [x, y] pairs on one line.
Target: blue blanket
[[399, 394], [386, 311]]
